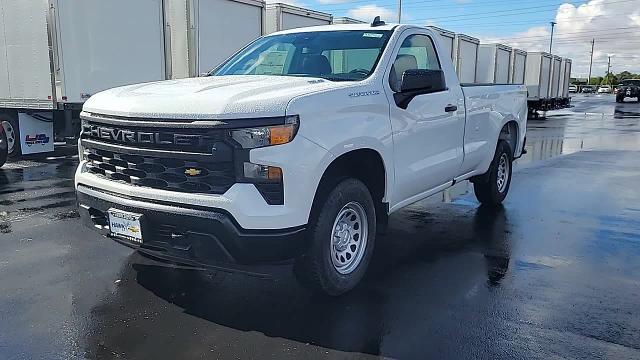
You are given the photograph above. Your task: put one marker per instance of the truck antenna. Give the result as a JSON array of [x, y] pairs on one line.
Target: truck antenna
[[377, 22]]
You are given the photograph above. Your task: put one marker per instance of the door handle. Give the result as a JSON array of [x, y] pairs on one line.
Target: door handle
[[450, 108]]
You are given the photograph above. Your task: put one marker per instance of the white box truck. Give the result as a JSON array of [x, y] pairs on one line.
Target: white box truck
[[556, 67], [538, 81], [284, 17], [204, 33], [518, 66], [493, 64], [55, 54], [346, 20], [565, 81], [465, 57], [447, 39]]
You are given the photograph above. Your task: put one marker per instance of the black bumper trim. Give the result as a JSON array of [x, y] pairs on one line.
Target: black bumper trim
[[192, 235]]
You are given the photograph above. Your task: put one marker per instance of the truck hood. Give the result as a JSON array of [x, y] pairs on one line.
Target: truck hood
[[213, 97]]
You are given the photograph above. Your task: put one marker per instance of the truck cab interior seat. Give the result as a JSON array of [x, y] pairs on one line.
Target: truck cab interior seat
[[403, 63], [316, 64]]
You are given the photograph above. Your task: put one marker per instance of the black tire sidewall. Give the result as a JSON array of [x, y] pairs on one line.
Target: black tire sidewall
[[331, 281], [17, 150], [3, 149], [487, 191]]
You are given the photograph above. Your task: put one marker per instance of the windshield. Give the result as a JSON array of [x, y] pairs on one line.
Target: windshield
[[333, 55], [634, 82]]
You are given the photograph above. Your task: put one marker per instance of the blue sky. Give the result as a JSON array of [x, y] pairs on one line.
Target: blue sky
[[524, 24], [495, 17]]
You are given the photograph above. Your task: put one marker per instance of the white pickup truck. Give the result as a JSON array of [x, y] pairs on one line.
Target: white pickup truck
[[297, 147]]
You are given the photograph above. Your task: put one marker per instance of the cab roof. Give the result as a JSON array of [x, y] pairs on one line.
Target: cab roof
[[343, 27]]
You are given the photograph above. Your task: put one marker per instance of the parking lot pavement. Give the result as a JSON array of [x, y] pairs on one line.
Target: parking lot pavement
[[554, 274]]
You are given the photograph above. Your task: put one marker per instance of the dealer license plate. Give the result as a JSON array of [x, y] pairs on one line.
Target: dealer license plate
[[126, 225]]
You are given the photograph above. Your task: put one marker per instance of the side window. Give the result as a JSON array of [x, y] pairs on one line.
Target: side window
[[416, 52]]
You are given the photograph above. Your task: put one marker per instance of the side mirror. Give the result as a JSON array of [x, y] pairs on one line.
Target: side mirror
[[419, 82]]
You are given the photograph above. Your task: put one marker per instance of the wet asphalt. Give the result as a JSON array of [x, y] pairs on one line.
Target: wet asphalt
[[553, 274]]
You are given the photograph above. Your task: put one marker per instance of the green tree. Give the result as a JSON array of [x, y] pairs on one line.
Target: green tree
[[625, 75], [610, 79]]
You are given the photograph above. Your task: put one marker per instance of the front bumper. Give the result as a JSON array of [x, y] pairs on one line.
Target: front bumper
[[193, 236]]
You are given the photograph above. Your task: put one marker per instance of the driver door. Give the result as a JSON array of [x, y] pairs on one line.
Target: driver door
[[428, 135]]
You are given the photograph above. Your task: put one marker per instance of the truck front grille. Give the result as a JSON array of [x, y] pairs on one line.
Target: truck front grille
[[165, 173]]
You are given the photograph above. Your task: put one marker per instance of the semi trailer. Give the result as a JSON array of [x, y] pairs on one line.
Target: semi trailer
[[284, 16], [493, 64], [70, 50], [346, 20], [66, 52], [518, 66], [465, 57]]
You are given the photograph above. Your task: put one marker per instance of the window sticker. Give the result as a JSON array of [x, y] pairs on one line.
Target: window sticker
[[271, 63], [372, 35]]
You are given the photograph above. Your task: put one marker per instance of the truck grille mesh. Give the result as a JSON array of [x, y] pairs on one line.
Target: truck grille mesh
[[162, 173]]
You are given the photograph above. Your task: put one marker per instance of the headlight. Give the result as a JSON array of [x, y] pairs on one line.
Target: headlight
[[250, 138]]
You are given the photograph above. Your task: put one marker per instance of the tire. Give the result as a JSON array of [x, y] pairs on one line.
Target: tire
[[340, 245], [492, 187], [12, 132], [3, 147]]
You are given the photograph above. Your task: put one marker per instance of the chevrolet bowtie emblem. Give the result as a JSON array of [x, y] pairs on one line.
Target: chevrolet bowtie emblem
[[193, 172]]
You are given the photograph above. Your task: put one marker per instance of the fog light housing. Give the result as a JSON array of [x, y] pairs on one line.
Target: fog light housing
[[267, 179], [262, 172]]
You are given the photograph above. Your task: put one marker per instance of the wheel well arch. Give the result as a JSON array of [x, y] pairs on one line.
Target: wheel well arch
[[366, 165]]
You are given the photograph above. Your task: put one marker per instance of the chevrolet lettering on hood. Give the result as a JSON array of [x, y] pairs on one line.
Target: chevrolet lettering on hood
[[126, 136]]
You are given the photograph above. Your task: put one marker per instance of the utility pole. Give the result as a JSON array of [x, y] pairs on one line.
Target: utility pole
[[593, 42], [553, 24], [608, 70], [399, 11]]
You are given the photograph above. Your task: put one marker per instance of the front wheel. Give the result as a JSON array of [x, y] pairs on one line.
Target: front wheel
[[492, 187], [342, 238]]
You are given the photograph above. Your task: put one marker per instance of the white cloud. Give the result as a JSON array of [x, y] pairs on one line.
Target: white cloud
[[370, 11], [614, 25]]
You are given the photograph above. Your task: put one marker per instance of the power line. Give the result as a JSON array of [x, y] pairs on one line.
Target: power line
[[523, 13]]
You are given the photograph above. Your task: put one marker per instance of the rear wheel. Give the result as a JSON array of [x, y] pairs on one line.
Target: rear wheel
[[12, 132], [492, 187], [342, 238]]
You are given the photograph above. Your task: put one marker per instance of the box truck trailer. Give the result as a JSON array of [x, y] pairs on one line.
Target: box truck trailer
[[465, 57], [538, 81], [284, 17], [565, 81], [204, 33], [447, 39], [518, 66], [64, 53], [556, 67], [69, 50], [493, 64], [346, 20]]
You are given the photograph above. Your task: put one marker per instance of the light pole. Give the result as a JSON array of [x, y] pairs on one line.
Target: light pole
[[593, 43], [553, 24], [399, 11]]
